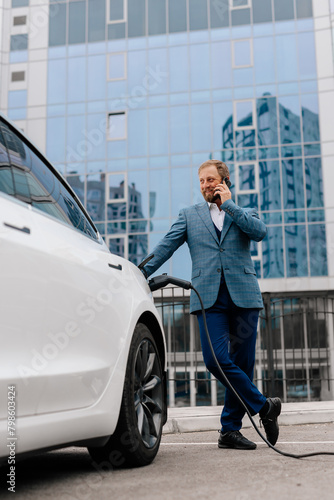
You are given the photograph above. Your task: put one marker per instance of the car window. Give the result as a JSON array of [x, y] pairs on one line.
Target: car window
[[18, 151], [42, 180], [21, 185], [73, 212], [6, 176], [36, 184]]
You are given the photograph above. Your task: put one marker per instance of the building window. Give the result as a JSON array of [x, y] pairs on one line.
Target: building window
[[19, 20], [136, 18], [77, 22], [116, 18], [262, 11], [116, 187], [242, 53], [20, 3], [284, 10], [118, 245], [18, 76], [198, 15], [116, 10], [117, 66], [247, 178], [17, 104], [247, 186], [157, 17], [240, 12], [239, 4], [57, 24], [177, 16], [244, 114], [304, 8], [19, 42], [117, 126]]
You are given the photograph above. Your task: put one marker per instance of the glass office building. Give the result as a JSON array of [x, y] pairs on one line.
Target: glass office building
[[128, 97]]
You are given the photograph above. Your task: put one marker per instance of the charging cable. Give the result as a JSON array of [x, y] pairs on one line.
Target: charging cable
[[164, 280]]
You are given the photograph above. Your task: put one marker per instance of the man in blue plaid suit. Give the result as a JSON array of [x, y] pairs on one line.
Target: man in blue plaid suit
[[218, 233]]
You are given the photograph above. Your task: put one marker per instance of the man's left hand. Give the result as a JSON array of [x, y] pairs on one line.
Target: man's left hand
[[223, 191]]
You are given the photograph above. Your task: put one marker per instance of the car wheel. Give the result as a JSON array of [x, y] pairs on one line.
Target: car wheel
[[136, 439]]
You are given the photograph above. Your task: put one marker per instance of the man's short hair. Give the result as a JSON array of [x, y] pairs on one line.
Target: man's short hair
[[221, 167]]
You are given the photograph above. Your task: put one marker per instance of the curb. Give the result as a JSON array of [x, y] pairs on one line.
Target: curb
[[207, 418]]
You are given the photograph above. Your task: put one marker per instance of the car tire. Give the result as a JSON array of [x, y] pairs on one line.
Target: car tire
[[136, 439]]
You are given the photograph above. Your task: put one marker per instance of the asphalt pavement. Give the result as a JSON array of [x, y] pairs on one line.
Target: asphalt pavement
[[190, 466]]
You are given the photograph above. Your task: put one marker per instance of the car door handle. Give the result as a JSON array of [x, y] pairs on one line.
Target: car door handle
[[118, 267], [23, 229]]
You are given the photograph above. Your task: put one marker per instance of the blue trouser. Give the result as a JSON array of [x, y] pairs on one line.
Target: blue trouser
[[233, 335]]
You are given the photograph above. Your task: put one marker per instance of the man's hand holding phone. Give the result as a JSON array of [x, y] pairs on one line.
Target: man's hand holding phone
[[222, 191]]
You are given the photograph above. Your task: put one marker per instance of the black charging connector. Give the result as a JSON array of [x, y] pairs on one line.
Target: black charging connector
[[164, 280]]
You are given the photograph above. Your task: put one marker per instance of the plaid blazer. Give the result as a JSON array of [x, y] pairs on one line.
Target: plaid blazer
[[211, 257]]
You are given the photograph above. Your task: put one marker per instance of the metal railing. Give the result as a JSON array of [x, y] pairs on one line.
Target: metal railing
[[294, 350]]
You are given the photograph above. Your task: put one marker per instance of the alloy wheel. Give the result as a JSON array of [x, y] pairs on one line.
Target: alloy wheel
[[148, 393]]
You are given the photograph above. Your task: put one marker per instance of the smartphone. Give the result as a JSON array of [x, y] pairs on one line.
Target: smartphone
[[228, 184]]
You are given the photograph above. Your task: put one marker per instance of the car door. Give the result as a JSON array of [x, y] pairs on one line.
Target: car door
[[22, 294], [72, 314]]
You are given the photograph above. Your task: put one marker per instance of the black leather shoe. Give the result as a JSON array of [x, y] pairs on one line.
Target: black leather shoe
[[269, 419], [234, 439]]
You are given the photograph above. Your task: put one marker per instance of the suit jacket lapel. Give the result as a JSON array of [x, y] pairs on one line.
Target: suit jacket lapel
[[204, 213], [226, 226]]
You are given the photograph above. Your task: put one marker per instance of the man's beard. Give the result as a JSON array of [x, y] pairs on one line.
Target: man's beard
[[208, 196]]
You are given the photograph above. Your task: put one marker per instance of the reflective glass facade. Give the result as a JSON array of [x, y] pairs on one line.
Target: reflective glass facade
[[140, 92]]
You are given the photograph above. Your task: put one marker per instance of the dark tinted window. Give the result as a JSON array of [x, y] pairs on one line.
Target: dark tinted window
[[156, 17], [6, 178], [262, 11], [283, 10], [198, 15], [219, 14], [96, 20], [77, 22], [240, 16], [36, 184], [116, 10], [177, 14], [116, 30], [18, 42], [304, 8], [20, 3], [136, 18], [57, 24]]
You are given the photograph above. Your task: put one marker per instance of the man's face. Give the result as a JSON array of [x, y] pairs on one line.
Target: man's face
[[208, 180]]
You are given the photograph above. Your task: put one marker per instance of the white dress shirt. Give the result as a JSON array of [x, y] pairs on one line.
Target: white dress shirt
[[217, 215]]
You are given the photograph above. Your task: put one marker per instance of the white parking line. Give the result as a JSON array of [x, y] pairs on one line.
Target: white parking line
[[256, 442]]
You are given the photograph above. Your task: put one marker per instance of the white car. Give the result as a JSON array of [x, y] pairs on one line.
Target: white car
[[83, 357]]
